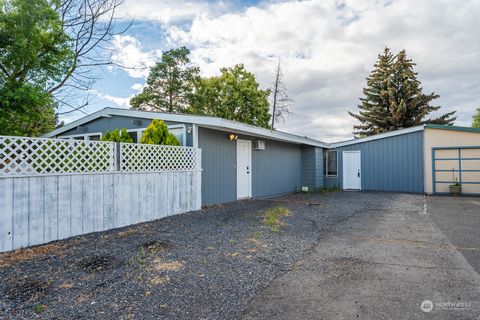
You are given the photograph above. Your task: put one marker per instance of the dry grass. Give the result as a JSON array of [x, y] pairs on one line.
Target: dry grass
[[84, 297], [21, 255], [156, 280], [160, 265], [66, 285]]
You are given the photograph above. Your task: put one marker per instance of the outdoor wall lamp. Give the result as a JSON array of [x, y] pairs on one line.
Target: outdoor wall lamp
[[232, 137]]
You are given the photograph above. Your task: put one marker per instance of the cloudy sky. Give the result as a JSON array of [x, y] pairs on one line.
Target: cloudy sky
[[327, 48]]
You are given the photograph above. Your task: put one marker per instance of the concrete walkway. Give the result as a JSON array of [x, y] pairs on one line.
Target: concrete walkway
[[383, 263]]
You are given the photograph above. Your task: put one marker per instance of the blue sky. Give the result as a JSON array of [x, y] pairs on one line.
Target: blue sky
[[327, 48]]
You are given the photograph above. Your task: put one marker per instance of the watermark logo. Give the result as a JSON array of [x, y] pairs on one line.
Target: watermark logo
[[426, 306]]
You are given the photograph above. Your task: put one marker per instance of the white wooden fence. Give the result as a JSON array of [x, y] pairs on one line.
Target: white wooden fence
[[77, 187]]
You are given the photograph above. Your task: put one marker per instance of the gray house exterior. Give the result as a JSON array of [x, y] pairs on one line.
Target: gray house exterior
[[242, 161], [287, 162]]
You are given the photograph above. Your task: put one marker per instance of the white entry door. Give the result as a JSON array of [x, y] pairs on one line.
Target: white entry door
[[244, 169], [352, 177]]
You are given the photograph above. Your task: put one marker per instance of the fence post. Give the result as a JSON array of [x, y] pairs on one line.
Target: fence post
[[118, 154]]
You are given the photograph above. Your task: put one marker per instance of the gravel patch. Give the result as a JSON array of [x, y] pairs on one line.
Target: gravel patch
[[207, 264]]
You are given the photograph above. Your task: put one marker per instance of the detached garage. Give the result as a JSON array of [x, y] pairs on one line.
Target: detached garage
[[425, 158]]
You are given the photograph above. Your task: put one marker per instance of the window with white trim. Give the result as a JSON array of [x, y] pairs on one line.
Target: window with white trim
[[330, 166]]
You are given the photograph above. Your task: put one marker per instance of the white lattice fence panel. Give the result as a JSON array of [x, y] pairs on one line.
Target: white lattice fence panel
[[33, 156], [155, 158]]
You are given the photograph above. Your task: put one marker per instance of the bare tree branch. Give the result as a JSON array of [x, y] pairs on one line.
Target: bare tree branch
[[91, 24], [281, 103]]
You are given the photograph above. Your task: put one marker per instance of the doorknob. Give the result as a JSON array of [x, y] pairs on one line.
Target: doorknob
[[358, 173]]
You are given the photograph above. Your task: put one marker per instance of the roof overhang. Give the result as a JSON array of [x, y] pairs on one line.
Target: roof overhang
[[376, 137], [202, 121]]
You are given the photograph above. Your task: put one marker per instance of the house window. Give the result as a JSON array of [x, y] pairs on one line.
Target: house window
[[94, 138], [330, 163], [179, 133], [134, 136]]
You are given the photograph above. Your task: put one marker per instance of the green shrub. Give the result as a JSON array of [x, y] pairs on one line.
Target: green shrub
[[157, 133], [117, 136]]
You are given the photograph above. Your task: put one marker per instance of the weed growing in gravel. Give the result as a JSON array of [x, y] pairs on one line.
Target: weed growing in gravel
[[255, 237], [272, 217], [38, 308]]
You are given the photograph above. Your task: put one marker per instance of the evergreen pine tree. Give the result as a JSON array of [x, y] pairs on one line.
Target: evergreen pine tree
[[374, 107], [394, 98]]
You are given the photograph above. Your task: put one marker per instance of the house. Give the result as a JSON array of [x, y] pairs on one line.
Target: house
[[242, 161], [238, 160]]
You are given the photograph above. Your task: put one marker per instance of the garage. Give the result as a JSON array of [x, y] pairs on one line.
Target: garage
[[427, 158]]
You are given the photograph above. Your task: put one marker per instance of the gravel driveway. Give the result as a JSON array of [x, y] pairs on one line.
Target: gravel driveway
[[205, 265]]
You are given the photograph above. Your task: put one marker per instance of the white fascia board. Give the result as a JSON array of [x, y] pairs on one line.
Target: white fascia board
[[76, 123], [204, 121], [376, 137]]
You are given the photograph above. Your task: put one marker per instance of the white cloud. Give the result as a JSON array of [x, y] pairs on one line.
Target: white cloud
[[137, 87], [118, 101], [129, 54], [329, 47]]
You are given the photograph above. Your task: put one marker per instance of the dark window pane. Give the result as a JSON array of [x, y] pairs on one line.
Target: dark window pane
[[325, 162], [133, 135], [332, 162], [94, 138]]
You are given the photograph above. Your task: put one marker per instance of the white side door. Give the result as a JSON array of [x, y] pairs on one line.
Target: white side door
[[244, 169], [352, 177]]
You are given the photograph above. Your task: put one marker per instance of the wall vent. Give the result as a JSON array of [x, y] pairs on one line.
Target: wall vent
[[259, 145]]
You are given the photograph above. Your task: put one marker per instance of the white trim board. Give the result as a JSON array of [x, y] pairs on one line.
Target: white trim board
[[376, 137]]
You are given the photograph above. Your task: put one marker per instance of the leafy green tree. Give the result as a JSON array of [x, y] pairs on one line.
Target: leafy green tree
[[34, 50], [234, 95], [394, 99], [157, 133], [169, 85], [117, 136], [476, 119]]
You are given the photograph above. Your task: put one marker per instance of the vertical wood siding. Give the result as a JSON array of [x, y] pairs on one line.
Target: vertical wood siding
[[36, 210], [389, 164], [275, 170], [312, 167]]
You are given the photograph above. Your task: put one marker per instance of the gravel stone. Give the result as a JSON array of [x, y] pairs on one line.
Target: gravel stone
[[207, 264]]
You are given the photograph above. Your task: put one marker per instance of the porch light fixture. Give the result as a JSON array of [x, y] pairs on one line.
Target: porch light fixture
[[232, 137]]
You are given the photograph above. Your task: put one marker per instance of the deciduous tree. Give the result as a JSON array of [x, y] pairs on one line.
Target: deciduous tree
[[476, 119], [234, 95]]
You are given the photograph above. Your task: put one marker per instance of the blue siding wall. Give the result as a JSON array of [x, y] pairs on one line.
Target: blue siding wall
[[312, 167], [275, 170], [119, 122], [219, 175], [389, 164]]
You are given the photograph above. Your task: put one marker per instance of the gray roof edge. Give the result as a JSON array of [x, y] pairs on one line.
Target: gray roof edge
[[201, 120], [376, 137]]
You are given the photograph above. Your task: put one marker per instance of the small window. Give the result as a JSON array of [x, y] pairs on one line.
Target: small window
[[133, 135], [79, 138], [330, 163], [178, 133], [94, 138]]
